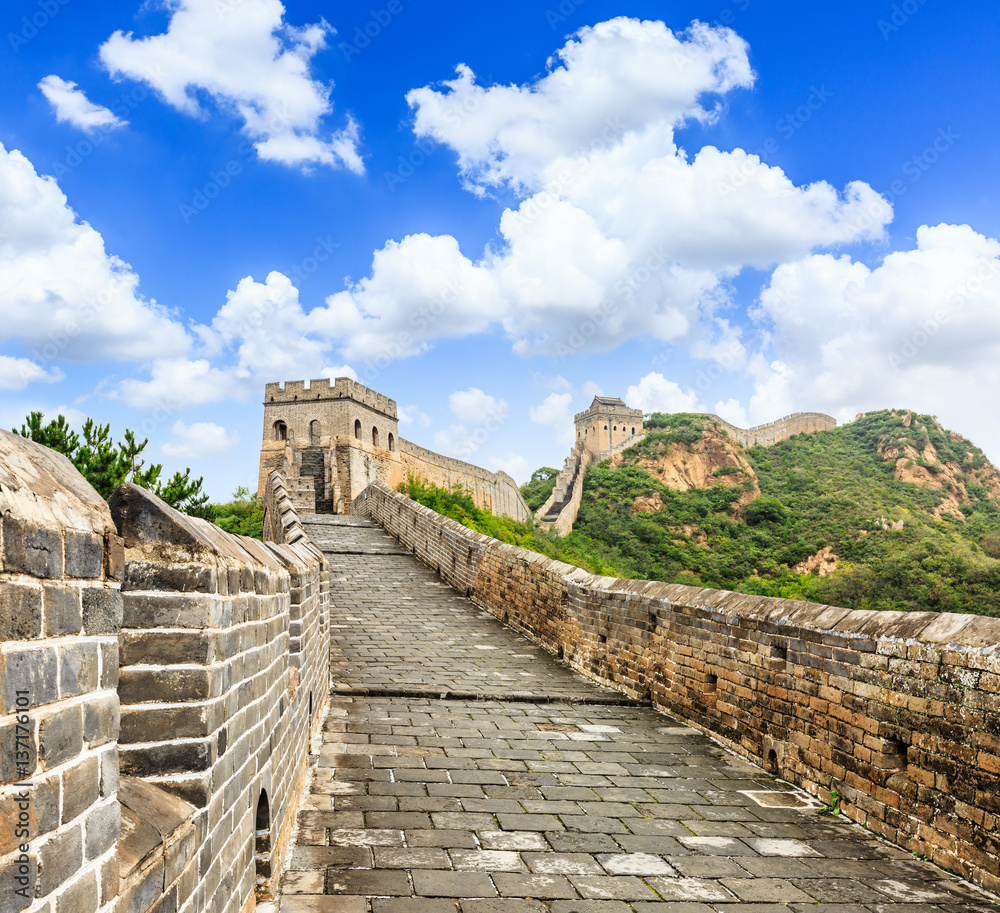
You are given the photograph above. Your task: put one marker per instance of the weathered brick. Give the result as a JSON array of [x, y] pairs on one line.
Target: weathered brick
[[103, 829], [84, 554], [32, 549], [78, 668], [35, 670], [102, 610], [101, 720], [81, 786], [60, 858], [62, 609], [60, 735], [20, 611]]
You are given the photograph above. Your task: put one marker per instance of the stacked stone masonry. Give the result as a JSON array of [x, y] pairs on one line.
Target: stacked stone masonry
[[161, 681], [897, 712], [330, 441]]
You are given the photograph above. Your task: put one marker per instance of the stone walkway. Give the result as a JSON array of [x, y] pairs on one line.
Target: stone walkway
[[548, 793]]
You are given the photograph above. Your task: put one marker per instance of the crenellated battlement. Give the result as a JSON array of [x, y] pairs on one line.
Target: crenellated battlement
[[296, 391]]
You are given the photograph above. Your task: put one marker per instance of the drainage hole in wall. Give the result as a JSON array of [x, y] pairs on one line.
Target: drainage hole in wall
[[772, 761], [711, 683]]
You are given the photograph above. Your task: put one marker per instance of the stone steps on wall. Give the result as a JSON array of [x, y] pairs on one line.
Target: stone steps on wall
[[336, 534]]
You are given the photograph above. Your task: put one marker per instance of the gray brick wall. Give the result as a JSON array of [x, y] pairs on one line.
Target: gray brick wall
[[158, 679], [899, 712], [60, 612]]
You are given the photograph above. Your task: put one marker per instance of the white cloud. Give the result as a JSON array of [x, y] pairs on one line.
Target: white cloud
[[71, 104], [732, 412], [654, 393], [251, 63], [334, 372], [921, 330], [556, 413], [459, 441], [473, 405], [62, 293], [592, 388], [199, 440], [616, 77], [618, 233], [558, 383], [177, 382], [17, 373], [513, 464], [411, 415]]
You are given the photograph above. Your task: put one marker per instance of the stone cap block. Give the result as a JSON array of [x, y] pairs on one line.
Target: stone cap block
[[53, 520], [154, 532], [151, 818]]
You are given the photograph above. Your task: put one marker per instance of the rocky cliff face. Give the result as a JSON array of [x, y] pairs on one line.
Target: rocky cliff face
[[711, 459], [926, 454]]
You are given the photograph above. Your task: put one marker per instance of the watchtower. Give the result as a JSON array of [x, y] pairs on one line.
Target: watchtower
[[330, 440], [606, 424]]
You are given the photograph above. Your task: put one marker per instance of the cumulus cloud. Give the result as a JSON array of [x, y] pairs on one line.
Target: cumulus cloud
[[919, 330], [617, 232], [260, 334], [516, 466], [17, 373], [63, 294], [607, 80], [411, 415], [71, 104], [654, 393], [473, 405], [198, 440], [555, 412], [334, 372], [177, 382], [249, 62]]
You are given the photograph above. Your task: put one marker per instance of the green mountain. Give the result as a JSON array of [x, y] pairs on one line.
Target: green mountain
[[890, 511]]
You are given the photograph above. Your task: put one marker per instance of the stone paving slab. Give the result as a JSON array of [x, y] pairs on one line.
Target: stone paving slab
[[555, 802]]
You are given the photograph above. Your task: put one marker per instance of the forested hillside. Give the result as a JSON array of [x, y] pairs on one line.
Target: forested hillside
[[890, 511]]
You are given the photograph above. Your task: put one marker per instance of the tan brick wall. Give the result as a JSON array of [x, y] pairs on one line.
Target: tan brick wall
[[899, 712]]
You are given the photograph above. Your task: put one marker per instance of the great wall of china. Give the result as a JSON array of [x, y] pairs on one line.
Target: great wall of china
[[162, 681]]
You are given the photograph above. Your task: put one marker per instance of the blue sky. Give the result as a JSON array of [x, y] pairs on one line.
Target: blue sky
[[748, 208]]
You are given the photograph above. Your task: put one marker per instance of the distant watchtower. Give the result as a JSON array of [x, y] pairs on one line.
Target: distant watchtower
[[606, 424], [331, 440]]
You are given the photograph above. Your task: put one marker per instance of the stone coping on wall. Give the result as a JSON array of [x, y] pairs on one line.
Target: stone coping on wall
[[899, 712]]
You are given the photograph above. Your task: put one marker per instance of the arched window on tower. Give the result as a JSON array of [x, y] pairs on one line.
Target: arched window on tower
[[392, 442], [374, 436], [314, 432], [280, 431], [633, 430], [357, 428]]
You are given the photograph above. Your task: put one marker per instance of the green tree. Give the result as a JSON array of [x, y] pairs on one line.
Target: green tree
[[106, 464], [537, 491], [243, 514]]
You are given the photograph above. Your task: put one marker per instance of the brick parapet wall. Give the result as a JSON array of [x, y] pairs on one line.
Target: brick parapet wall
[[60, 612], [223, 677], [147, 642], [898, 712]]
